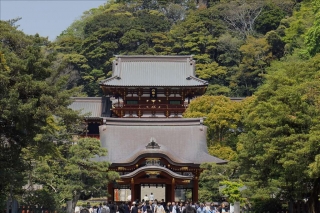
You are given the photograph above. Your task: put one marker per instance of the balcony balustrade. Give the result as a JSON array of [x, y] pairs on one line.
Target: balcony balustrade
[[122, 110]]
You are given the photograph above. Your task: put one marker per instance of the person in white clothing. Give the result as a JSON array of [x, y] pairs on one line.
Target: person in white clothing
[[77, 209], [133, 204], [151, 197]]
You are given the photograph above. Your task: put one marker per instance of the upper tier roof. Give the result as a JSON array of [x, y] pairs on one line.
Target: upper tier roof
[[153, 71]]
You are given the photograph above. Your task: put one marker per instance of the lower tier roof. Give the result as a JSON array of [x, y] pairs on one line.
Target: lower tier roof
[[182, 140]]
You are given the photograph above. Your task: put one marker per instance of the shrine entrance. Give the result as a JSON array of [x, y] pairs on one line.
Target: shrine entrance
[[158, 191], [162, 182]]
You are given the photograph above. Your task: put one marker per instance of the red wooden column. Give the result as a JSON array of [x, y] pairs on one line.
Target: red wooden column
[[132, 190], [168, 193], [173, 187], [137, 192], [195, 189], [110, 191]]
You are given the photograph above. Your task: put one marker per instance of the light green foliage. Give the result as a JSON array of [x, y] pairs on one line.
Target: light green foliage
[[256, 56], [222, 117], [161, 44], [211, 72], [314, 168], [224, 152], [312, 38], [211, 176], [231, 189], [217, 89], [297, 25]]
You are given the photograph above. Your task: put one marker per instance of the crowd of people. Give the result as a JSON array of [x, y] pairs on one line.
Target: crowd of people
[[155, 206]]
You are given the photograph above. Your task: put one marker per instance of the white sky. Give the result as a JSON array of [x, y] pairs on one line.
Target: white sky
[[46, 17]]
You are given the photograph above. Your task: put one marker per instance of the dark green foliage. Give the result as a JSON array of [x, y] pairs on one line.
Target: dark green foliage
[[33, 104], [40, 198], [269, 19], [271, 205], [276, 43], [150, 21]]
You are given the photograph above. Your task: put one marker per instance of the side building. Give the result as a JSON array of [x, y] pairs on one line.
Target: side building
[[139, 120]]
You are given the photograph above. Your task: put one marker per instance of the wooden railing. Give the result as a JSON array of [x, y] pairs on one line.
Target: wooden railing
[[140, 109], [150, 106]]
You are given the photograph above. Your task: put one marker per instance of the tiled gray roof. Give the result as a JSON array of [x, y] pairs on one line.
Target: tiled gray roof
[[153, 71], [182, 143], [89, 106]]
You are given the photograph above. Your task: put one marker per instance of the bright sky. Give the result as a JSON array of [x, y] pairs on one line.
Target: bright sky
[[46, 17]]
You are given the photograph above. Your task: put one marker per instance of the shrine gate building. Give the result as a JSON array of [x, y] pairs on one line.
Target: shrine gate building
[[139, 121]]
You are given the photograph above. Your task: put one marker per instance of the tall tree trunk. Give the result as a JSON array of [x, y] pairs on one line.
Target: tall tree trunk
[[73, 203], [313, 201], [291, 206]]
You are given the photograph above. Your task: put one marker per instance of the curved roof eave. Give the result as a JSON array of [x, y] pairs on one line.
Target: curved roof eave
[[156, 168]]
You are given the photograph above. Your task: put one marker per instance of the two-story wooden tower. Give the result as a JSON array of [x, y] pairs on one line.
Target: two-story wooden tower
[[152, 86]]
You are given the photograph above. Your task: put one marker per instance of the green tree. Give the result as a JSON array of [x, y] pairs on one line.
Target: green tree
[[211, 72], [281, 126], [256, 56], [33, 91], [222, 117], [212, 175], [228, 50], [224, 152], [75, 172], [232, 190], [297, 25], [312, 36], [196, 33], [269, 19]]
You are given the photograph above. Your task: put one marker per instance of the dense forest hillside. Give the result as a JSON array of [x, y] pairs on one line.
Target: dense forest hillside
[[233, 41], [265, 50]]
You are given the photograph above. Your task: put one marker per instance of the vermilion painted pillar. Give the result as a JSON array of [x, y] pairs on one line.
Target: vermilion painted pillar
[[110, 191], [137, 192], [132, 190], [173, 189], [195, 189]]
